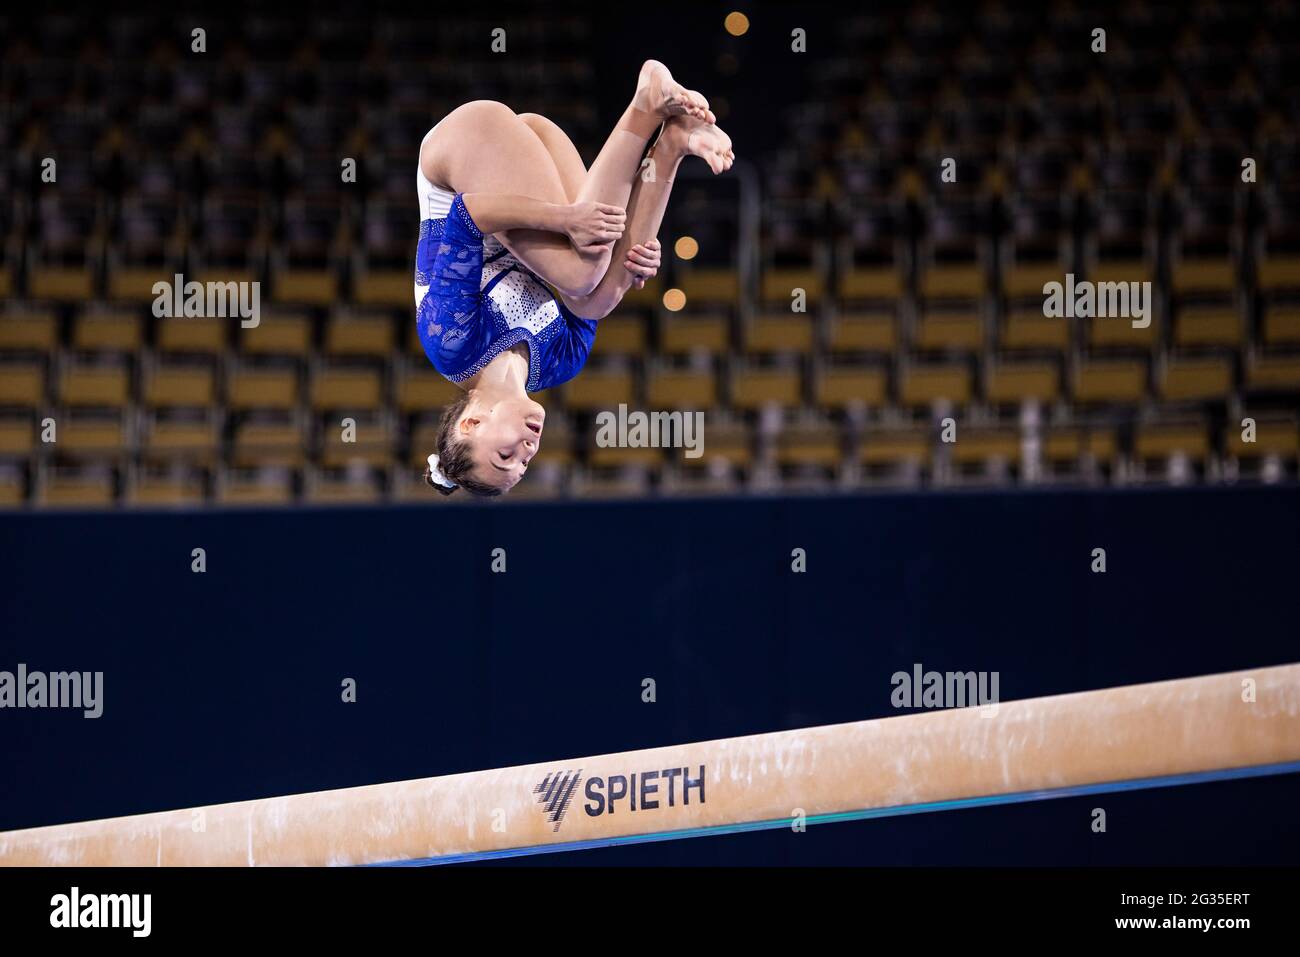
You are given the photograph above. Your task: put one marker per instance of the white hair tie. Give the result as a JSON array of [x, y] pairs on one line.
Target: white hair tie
[[435, 473]]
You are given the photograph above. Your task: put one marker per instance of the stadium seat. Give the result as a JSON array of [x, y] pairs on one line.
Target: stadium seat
[[753, 388], [926, 384], [1111, 381], [1199, 379]]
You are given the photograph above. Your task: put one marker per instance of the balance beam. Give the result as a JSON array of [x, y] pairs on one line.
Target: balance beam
[[1240, 724]]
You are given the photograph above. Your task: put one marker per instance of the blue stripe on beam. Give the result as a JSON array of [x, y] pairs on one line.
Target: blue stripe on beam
[[1020, 797]]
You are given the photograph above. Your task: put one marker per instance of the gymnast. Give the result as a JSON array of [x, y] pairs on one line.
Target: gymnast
[[507, 209]]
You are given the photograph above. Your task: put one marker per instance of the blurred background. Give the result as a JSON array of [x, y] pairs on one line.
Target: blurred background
[[924, 298], [924, 301]]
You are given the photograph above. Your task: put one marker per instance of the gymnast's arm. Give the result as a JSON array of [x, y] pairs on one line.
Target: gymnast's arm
[[588, 225]]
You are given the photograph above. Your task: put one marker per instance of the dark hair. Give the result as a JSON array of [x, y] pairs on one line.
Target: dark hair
[[454, 459]]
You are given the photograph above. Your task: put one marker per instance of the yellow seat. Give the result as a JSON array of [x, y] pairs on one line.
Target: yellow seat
[[262, 389], [77, 491], [694, 333], [28, 332], [359, 337], [17, 437], [1197, 379], [1279, 272], [22, 384], [1272, 437], [129, 284], [965, 281], [894, 446], [950, 332], [99, 438], [167, 440], [329, 491], [1282, 326], [925, 384], [424, 391], [94, 386], [619, 336], [858, 332], [1120, 332], [820, 446], [755, 388], [392, 287], [61, 284], [711, 286], [180, 385], [1029, 330], [268, 443], [1193, 276], [770, 333], [1010, 382], [200, 336], [871, 283], [979, 445], [308, 287], [778, 286], [154, 491], [119, 332], [598, 389], [1117, 381], [1122, 270], [1208, 327], [278, 334], [1162, 441], [842, 386], [729, 443], [1063, 445], [225, 277], [613, 456], [1275, 372], [681, 389], [1027, 281], [372, 445], [255, 490], [347, 390]]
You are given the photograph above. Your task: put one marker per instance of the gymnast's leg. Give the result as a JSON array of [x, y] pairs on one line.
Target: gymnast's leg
[[682, 136], [568, 162], [485, 147]]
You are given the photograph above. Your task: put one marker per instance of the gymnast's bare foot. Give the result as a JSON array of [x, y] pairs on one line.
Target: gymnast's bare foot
[[699, 138], [658, 93]]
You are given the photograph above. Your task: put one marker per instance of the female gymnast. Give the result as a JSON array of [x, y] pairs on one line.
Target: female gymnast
[[506, 209]]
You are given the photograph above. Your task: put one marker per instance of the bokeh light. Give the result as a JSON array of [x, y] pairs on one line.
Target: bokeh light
[[737, 23]]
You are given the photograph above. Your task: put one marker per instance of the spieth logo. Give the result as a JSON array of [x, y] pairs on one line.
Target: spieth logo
[[555, 792], [639, 791]]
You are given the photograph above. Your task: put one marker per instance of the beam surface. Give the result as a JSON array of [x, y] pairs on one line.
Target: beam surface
[[1170, 732]]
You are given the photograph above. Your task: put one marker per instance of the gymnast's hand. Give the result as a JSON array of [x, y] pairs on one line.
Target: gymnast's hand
[[643, 262], [594, 225]]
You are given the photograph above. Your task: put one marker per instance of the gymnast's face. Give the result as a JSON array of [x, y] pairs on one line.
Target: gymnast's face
[[504, 434]]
